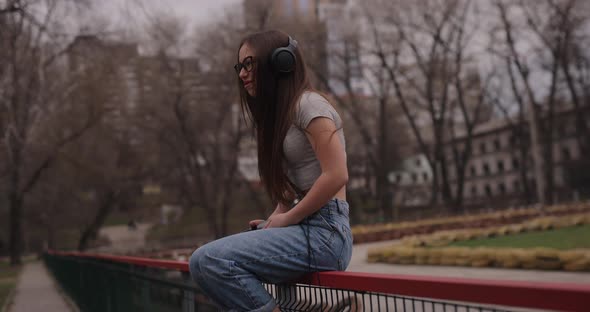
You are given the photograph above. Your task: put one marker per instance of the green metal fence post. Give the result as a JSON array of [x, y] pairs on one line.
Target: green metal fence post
[[188, 302]]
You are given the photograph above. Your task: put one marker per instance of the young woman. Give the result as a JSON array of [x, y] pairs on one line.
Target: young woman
[[302, 164]]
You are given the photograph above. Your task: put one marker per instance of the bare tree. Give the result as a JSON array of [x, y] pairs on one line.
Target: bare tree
[[425, 49], [29, 99], [373, 117], [519, 135], [192, 117], [551, 32]]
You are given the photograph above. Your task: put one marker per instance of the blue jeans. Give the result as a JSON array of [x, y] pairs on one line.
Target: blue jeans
[[231, 270]]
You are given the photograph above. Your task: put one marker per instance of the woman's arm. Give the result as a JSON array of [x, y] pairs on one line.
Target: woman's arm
[[328, 149], [279, 209]]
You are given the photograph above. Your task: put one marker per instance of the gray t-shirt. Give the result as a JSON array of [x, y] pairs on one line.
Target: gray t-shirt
[[303, 168]]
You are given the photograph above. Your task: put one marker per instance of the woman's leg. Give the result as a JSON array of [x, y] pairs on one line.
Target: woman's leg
[[230, 270]]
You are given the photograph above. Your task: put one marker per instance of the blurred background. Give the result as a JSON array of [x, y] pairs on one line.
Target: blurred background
[[121, 130]]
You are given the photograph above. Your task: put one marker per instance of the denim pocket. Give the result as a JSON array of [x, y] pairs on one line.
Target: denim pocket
[[323, 236], [327, 221], [346, 254]]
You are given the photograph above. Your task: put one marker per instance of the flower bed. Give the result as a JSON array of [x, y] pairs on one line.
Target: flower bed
[[433, 250], [389, 231]]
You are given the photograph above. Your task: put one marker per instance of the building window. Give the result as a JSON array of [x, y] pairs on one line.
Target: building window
[[561, 129], [515, 163], [502, 188], [473, 171], [513, 139], [418, 163], [304, 6], [500, 166], [473, 191], [497, 144], [482, 147], [516, 185], [486, 169], [425, 176], [488, 190], [565, 154], [414, 177]]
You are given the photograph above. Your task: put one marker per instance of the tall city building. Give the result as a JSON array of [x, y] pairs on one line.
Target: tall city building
[[126, 79]]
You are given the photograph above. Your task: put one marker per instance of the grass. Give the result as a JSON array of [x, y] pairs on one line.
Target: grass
[[8, 277], [564, 238]]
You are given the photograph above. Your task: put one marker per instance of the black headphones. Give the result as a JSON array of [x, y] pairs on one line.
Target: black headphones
[[283, 59]]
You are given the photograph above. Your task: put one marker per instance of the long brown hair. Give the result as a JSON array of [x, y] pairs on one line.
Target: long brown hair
[[272, 109]]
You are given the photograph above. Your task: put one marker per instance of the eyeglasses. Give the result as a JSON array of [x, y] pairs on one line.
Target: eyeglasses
[[247, 64]]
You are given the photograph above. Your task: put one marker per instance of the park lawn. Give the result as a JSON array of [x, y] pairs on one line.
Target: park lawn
[[563, 238], [8, 277]]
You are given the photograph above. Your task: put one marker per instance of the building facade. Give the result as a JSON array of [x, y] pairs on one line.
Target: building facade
[[501, 165]]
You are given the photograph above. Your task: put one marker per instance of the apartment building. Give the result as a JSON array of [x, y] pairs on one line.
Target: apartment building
[[497, 169]]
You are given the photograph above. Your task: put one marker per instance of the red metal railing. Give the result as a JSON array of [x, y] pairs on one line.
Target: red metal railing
[[536, 295]]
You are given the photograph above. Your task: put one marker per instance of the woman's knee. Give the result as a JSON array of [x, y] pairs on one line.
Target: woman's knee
[[204, 261], [195, 263]]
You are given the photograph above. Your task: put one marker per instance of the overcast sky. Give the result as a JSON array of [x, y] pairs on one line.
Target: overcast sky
[[194, 11]]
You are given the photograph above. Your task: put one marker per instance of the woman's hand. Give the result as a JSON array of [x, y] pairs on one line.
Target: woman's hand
[[254, 223], [280, 220]]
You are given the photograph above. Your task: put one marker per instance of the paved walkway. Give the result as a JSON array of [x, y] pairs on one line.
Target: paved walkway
[[36, 291], [359, 263]]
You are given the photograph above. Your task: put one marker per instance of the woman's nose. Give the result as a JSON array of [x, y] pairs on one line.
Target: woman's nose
[[243, 73]]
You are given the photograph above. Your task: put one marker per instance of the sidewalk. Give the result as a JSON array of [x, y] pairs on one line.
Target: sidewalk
[[359, 263], [36, 291]]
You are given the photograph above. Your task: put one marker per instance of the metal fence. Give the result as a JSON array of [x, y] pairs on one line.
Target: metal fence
[[105, 286], [314, 298], [110, 283]]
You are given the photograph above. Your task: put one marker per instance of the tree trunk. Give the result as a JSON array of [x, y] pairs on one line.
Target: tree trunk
[[532, 108], [91, 231], [523, 170], [434, 186], [16, 231], [50, 237], [16, 200], [381, 168]]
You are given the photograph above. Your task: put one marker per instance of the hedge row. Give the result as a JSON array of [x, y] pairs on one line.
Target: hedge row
[[418, 250], [537, 258], [389, 231]]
